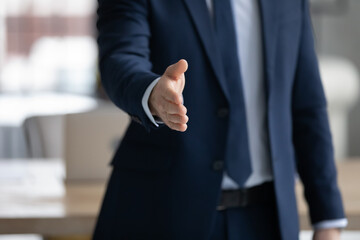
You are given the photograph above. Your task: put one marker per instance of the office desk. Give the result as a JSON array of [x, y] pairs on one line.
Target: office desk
[[55, 209]]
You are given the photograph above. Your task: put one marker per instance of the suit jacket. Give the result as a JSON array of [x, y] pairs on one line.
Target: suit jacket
[[170, 181]]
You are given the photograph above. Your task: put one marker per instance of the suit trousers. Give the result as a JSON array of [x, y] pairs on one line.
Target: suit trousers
[[256, 222]]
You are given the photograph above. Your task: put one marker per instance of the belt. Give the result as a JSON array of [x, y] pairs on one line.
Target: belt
[[244, 197]]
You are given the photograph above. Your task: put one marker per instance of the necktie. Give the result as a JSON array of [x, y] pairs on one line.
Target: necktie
[[237, 158]]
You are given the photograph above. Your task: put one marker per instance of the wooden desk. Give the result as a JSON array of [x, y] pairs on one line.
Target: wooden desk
[[72, 209], [35, 200]]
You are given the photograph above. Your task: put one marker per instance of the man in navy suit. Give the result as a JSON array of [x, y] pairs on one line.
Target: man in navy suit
[[214, 154]]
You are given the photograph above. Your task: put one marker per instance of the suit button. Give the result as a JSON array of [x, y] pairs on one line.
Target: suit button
[[218, 165], [223, 112]]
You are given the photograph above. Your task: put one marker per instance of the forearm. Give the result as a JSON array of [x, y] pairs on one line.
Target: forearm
[[315, 164], [311, 132], [126, 83], [125, 67]]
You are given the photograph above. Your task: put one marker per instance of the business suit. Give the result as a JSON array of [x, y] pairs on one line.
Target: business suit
[[168, 176]]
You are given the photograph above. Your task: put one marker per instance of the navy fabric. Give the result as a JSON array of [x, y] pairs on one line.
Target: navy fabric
[[169, 182], [238, 164], [257, 222], [219, 229]]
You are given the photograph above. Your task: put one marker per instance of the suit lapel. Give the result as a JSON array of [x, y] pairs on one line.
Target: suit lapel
[[269, 15], [201, 18]]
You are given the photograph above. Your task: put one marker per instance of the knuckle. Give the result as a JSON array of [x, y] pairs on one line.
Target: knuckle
[[173, 96], [185, 119], [178, 109], [178, 99], [181, 110]]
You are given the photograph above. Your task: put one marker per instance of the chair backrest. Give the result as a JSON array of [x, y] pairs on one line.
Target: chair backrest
[[43, 136], [90, 140]]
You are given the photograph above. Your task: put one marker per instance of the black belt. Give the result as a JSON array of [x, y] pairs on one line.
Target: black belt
[[263, 193]]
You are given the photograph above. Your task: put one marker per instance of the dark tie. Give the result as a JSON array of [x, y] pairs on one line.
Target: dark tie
[[238, 165]]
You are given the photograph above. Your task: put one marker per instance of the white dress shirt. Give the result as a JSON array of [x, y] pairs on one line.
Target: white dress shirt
[[250, 52]]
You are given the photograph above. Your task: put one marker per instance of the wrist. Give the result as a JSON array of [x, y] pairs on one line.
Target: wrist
[[146, 101], [152, 108], [152, 99], [327, 234]]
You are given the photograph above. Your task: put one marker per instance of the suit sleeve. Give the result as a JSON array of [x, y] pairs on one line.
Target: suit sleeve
[[311, 132], [124, 53]]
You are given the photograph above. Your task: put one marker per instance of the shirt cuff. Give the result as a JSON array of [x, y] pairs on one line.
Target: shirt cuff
[[336, 223], [145, 102]]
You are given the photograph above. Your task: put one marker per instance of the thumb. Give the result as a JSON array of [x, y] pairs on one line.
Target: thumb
[[176, 70]]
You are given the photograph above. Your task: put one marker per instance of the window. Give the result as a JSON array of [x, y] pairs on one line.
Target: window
[[47, 45]]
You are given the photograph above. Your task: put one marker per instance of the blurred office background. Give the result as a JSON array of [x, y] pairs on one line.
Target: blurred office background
[[58, 131]]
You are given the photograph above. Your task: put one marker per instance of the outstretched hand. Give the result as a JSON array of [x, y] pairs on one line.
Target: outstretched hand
[[166, 100]]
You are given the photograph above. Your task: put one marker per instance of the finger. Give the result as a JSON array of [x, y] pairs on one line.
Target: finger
[[171, 108], [176, 70], [172, 96], [182, 119], [176, 126]]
